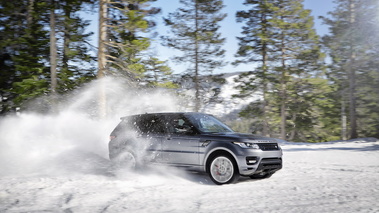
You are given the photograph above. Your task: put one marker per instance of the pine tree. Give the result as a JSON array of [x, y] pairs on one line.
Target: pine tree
[[195, 28], [158, 73], [127, 37], [76, 63], [123, 40], [254, 47], [279, 35], [28, 26], [352, 45], [298, 54], [53, 55], [24, 46]]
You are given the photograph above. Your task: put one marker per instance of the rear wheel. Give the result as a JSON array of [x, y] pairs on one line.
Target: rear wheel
[[126, 160], [223, 170]]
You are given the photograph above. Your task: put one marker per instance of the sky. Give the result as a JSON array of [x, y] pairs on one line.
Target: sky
[[230, 29]]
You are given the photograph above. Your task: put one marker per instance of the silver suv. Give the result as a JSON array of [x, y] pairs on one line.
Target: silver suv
[[195, 141]]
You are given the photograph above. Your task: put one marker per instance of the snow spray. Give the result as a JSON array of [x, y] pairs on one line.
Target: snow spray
[[46, 143]]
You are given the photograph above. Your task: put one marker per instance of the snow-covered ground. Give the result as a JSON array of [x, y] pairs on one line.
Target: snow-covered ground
[[324, 177]]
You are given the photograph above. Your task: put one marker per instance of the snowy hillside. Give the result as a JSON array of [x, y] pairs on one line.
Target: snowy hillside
[[229, 104], [327, 177], [217, 94]]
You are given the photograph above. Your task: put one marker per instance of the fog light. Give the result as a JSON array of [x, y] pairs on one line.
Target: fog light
[[251, 160]]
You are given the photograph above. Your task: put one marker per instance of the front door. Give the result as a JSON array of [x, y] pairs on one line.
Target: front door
[[181, 145]]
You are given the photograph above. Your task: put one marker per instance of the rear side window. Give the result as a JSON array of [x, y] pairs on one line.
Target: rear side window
[[148, 124]]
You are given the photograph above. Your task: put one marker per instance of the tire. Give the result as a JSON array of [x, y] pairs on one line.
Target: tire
[[126, 160], [223, 169]]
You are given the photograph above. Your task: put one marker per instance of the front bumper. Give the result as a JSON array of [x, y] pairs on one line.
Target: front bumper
[[255, 162]]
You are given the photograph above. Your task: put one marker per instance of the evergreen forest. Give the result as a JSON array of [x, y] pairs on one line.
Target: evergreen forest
[[313, 88]]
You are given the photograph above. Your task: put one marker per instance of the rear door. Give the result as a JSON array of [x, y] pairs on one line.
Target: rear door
[[181, 144], [152, 132]]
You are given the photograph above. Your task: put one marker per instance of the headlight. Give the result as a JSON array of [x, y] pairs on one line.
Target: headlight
[[247, 145]]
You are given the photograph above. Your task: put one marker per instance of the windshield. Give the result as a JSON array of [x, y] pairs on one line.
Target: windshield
[[208, 124]]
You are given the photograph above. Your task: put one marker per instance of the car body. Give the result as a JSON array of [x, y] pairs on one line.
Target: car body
[[196, 141]]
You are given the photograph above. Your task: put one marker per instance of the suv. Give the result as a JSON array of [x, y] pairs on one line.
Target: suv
[[195, 141]]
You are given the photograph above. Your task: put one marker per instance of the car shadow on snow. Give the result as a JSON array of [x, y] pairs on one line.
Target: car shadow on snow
[[87, 163], [201, 177], [177, 173]]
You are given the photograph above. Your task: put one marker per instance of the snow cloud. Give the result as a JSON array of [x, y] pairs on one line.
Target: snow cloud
[[34, 142]]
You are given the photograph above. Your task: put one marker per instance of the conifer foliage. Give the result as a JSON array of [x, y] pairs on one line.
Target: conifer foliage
[[195, 27], [353, 47], [26, 26], [311, 88], [278, 35], [126, 40], [24, 46]]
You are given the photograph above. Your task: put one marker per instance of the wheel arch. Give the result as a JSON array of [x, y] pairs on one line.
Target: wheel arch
[[216, 152]]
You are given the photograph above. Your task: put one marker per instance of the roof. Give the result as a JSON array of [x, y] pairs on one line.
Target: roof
[[164, 113]]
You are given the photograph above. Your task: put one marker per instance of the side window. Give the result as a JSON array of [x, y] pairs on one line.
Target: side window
[[206, 123], [179, 125], [150, 124], [209, 124]]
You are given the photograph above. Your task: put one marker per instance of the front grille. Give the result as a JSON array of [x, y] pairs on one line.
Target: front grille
[[270, 165], [268, 146]]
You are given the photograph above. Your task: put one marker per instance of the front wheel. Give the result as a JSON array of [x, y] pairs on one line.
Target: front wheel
[[223, 170]]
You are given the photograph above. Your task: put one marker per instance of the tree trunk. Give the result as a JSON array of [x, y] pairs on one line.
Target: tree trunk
[[283, 114], [196, 79], [53, 57], [66, 41], [343, 119], [293, 132], [283, 93], [30, 13], [265, 131], [101, 58], [351, 76]]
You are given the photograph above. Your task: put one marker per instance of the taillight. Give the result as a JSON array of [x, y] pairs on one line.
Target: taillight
[[112, 137]]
